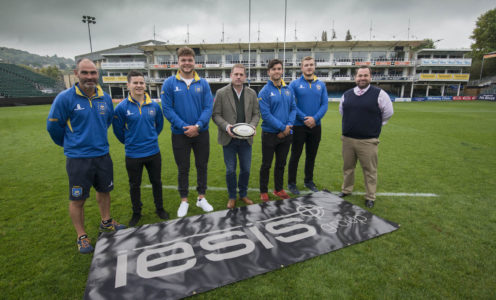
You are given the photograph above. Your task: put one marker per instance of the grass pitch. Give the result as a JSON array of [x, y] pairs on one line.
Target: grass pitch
[[444, 249]]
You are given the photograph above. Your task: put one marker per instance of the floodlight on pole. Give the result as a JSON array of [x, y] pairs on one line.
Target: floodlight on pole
[[89, 20]]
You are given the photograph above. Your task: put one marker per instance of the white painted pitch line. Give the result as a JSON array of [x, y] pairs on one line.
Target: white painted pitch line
[[218, 188]]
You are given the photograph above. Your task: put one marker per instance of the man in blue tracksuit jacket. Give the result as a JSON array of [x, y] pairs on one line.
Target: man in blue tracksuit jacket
[[78, 121], [187, 103], [137, 123], [278, 110], [311, 106]]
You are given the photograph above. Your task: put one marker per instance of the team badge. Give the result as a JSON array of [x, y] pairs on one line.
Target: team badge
[[101, 107], [151, 112], [198, 89], [287, 93], [318, 87], [77, 191]]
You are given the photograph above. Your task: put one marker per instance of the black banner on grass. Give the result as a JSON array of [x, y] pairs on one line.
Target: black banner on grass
[[186, 256]]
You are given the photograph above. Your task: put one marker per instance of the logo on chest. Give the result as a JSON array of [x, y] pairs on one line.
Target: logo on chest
[[78, 108], [101, 107]]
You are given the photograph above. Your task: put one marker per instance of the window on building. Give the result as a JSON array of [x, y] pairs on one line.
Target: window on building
[[378, 55], [342, 56], [301, 54], [322, 56], [214, 58], [232, 58], [360, 55], [215, 73], [200, 59]]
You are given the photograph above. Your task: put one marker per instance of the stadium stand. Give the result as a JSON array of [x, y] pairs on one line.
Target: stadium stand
[[18, 82]]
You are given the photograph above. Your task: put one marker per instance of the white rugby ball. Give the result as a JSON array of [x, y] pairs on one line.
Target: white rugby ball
[[243, 130]]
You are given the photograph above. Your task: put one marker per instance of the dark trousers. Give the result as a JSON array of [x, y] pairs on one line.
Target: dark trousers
[[271, 145], [237, 149], [310, 137], [134, 167], [181, 146]]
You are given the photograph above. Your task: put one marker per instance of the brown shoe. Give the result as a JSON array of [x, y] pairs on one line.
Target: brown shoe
[[246, 200], [231, 203]]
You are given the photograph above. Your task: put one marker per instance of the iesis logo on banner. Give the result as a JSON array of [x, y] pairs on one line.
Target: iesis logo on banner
[[76, 191], [222, 247], [287, 229]]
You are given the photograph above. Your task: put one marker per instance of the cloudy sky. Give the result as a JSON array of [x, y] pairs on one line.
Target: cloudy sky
[[49, 27]]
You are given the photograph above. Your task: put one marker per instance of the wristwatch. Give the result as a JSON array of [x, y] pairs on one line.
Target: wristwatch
[[197, 126]]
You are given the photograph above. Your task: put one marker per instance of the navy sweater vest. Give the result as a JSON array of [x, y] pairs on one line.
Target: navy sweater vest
[[362, 118]]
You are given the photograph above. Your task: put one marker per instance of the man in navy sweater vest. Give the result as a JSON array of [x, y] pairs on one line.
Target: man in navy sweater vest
[[365, 109]]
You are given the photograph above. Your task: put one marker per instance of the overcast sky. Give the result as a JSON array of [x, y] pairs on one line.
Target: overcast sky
[[49, 27]]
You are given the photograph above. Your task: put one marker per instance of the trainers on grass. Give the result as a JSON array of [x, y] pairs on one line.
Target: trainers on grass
[[203, 203], [84, 244]]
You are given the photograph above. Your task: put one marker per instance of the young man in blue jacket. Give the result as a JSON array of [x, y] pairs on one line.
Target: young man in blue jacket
[[78, 121], [187, 103], [137, 123], [311, 106], [278, 110]]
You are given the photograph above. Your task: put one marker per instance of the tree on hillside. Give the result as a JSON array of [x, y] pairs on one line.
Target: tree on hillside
[[484, 34], [51, 71], [348, 36]]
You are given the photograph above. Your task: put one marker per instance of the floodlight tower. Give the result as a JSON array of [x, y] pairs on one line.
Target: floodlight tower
[[89, 20]]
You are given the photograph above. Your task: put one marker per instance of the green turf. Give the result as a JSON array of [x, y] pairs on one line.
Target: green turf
[[444, 248]]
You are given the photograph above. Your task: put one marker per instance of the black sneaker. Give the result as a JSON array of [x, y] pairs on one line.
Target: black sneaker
[[134, 219], [293, 189], [162, 214], [311, 186]]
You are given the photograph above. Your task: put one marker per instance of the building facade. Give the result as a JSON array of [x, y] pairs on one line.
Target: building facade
[[402, 68]]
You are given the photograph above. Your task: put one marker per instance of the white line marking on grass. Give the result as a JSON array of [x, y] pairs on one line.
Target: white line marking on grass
[[218, 188]]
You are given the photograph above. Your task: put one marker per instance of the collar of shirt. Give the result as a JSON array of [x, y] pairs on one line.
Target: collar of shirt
[[359, 91], [236, 91]]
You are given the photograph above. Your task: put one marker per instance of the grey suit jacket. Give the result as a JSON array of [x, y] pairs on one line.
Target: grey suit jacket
[[224, 111]]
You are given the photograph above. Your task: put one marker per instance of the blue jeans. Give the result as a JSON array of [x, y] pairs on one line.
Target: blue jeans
[[243, 151]]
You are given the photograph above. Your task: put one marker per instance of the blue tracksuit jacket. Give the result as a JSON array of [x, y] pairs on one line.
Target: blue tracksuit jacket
[[186, 105], [138, 126], [311, 99], [277, 107], [79, 123]]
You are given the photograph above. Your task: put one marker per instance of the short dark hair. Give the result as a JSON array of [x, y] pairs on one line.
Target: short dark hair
[[273, 62], [134, 73], [185, 51], [363, 67], [80, 60]]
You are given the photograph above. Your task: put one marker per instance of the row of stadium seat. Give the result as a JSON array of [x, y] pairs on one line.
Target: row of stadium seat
[[17, 82]]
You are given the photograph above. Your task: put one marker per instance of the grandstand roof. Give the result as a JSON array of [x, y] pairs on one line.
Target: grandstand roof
[[128, 49], [279, 44]]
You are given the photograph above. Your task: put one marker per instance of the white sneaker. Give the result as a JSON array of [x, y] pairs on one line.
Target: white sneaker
[[203, 203], [183, 209]]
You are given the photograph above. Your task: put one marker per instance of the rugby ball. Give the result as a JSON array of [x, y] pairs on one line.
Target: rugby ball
[[243, 130]]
